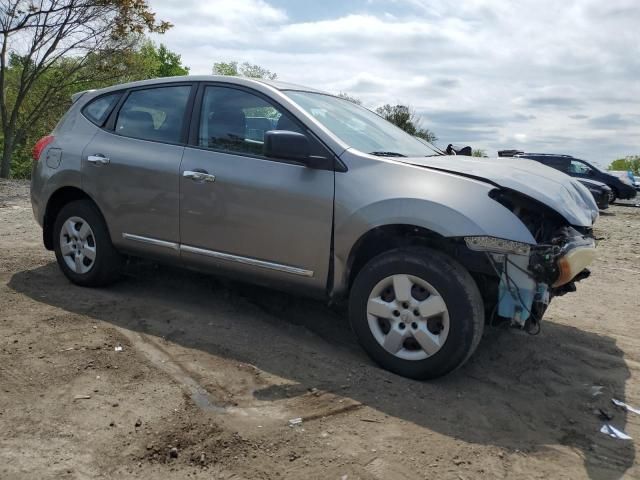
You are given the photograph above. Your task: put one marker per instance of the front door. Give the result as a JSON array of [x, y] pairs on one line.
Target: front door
[[259, 217], [131, 169]]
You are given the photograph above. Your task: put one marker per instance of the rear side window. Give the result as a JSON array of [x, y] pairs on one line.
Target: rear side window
[[154, 114], [98, 109]]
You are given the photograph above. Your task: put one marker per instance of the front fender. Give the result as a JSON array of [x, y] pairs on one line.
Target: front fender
[[378, 193]]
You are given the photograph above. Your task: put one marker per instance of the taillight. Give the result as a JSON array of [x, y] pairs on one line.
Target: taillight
[[41, 145]]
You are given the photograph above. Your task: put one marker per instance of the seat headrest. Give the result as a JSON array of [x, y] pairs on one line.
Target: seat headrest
[[285, 123], [135, 123]]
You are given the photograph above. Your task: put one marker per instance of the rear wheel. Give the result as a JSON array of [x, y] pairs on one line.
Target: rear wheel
[[417, 312], [83, 247], [612, 196]]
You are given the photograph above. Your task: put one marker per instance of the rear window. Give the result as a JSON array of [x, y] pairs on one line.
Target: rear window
[[98, 109]]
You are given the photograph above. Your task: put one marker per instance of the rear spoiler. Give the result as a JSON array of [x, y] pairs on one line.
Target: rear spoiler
[[76, 96]]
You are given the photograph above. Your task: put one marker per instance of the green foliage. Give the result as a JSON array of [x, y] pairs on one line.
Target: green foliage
[[405, 117], [352, 99], [632, 162], [478, 152], [143, 60], [51, 48], [245, 70], [159, 61]]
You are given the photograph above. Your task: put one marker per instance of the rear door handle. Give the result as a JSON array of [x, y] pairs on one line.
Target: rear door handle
[[98, 159], [199, 176]]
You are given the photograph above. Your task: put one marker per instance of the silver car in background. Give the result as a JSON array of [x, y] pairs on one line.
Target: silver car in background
[[296, 189]]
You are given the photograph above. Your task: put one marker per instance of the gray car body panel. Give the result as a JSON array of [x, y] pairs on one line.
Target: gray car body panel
[[552, 187], [292, 223]]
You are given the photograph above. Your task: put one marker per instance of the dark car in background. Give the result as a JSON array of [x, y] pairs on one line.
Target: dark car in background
[[600, 191], [580, 169]]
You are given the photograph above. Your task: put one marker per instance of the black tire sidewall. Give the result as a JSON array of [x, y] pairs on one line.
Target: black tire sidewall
[[459, 293], [107, 262]]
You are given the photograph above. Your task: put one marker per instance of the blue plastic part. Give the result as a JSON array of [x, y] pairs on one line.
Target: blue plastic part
[[515, 303]]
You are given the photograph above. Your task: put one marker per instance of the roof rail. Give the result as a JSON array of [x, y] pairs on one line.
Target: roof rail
[[545, 154]]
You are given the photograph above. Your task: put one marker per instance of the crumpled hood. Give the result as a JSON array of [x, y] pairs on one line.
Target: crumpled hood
[[549, 186]]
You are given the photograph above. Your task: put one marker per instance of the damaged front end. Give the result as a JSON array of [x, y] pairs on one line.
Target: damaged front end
[[529, 276]]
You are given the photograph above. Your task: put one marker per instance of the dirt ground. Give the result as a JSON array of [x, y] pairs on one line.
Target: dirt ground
[[215, 370]]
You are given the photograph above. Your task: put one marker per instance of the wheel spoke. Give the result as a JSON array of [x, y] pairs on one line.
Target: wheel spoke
[[393, 341], [434, 305], [402, 287], [84, 231], [379, 308], [66, 249], [89, 252], [429, 342], [70, 228], [79, 263]]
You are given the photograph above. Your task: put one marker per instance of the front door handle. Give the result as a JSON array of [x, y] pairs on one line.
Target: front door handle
[[199, 176], [98, 159]]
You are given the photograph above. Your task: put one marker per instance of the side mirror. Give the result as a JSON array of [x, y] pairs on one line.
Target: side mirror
[[287, 145]]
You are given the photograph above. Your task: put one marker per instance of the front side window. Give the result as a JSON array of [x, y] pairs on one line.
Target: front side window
[[578, 167], [236, 120], [154, 114], [98, 109]]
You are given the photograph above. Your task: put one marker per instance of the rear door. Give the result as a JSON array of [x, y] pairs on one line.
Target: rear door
[[259, 217], [131, 168]]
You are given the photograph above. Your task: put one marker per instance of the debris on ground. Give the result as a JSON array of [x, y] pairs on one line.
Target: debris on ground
[[596, 390], [173, 452], [613, 432], [118, 348], [82, 397], [295, 421], [603, 414], [629, 408]]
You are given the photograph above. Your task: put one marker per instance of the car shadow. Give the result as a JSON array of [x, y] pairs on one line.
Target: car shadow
[[517, 392]]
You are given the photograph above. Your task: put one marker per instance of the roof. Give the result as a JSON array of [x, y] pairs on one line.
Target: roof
[[207, 78]]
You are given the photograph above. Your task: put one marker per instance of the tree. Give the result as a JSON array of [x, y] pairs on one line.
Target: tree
[[245, 70], [58, 40], [138, 63], [162, 61], [478, 152], [346, 96], [406, 118], [631, 162]]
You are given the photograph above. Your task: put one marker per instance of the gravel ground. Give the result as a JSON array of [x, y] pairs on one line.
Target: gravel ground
[[211, 372]]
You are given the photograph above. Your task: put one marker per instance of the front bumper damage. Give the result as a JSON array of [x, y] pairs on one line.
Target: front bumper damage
[[530, 276]]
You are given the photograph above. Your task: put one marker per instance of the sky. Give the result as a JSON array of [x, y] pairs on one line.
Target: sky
[[536, 75]]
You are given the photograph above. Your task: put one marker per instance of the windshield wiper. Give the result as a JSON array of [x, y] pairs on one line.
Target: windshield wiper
[[387, 154]]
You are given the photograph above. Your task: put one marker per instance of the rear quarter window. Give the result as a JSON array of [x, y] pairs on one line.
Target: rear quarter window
[[99, 108]]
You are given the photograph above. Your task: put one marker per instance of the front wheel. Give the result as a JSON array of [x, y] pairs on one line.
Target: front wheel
[[417, 312]]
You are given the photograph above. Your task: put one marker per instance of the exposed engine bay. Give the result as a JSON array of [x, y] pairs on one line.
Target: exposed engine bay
[[529, 276]]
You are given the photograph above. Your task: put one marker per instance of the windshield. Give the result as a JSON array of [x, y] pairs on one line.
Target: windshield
[[360, 128]]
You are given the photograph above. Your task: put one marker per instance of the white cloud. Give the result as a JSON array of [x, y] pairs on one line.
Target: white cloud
[[527, 72]]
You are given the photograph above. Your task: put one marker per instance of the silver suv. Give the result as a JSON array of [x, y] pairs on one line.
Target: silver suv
[[300, 190]]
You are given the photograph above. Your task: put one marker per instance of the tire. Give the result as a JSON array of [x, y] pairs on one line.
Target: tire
[[613, 196], [451, 336], [71, 236]]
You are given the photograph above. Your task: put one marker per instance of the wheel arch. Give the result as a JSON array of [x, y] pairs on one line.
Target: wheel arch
[[387, 237], [380, 239], [55, 203]]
